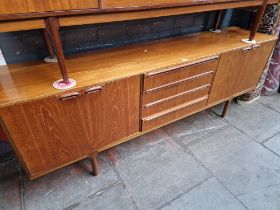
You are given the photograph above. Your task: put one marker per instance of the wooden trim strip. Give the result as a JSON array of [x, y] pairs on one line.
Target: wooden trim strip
[[103, 16], [22, 25], [179, 82], [183, 65], [177, 95], [177, 108], [149, 9]]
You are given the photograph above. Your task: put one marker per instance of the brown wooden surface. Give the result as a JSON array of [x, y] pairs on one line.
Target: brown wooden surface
[[140, 3], [48, 133], [30, 81], [239, 70], [134, 13], [21, 25], [179, 75], [173, 101], [163, 9], [113, 111], [173, 113], [169, 91], [29, 6]]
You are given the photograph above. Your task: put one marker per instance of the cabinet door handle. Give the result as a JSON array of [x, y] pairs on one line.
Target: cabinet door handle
[[93, 89], [68, 96], [247, 49]]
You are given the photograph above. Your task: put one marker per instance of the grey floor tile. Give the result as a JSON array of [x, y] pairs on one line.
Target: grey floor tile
[[67, 186], [155, 169], [190, 129], [211, 195], [271, 101], [274, 144], [263, 199], [115, 198], [243, 165], [254, 119], [10, 186]]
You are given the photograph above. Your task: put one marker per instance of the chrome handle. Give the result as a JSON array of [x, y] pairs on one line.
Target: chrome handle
[[93, 89], [247, 49], [256, 46], [69, 96]]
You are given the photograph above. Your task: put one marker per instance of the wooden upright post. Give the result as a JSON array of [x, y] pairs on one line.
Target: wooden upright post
[[52, 26], [218, 18], [226, 106], [258, 20], [94, 163], [49, 43]]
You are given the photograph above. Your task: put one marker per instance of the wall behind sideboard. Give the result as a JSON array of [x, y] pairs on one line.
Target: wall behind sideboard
[[30, 45]]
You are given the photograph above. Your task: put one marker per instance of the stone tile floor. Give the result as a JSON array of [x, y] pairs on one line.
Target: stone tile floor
[[202, 162]]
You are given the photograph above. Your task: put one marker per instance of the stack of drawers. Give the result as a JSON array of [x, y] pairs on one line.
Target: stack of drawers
[[174, 93]]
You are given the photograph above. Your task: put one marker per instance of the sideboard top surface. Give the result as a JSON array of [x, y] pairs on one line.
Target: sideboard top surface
[[33, 80]]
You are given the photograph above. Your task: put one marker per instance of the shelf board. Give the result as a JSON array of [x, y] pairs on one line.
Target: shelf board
[[33, 80]]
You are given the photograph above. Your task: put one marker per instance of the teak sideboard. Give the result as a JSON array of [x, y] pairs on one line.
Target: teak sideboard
[[124, 92]]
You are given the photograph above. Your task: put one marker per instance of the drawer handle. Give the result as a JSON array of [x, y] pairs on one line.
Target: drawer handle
[[69, 96], [184, 65], [93, 89], [247, 49], [256, 46]]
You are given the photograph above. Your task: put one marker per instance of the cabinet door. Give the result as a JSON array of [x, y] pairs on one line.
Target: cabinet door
[[25, 6], [48, 133], [239, 70], [113, 110]]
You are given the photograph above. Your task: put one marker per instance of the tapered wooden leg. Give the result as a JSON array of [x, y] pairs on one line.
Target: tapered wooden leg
[[258, 20], [53, 27], [94, 163], [225, 108], [217, 20], [49, 43]]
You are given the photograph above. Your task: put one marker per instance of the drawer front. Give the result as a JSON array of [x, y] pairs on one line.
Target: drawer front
[[20, 6], [173, 101], [177, 88], [154, 80], [173, 114]]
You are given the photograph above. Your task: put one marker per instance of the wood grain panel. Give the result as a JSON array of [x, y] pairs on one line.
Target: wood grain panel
[[239, 70], [173, 101], [166, 116], [13, 6], [48, 133], [113, 111], [168, 78], [33, 80], [131, 13], [140, 3], [52, 5], [21, 25], [169, 91], [30, 6]]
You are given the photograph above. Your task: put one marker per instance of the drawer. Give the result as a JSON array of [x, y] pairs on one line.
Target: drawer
[[151, 96], [173, 114], [173, 101], [160, 79]]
